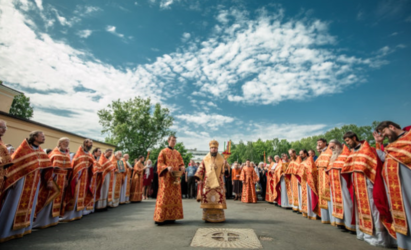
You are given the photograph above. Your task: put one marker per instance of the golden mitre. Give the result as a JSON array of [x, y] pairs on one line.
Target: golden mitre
[[213, 144]]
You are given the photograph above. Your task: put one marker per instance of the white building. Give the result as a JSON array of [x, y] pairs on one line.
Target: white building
[[198, 155]]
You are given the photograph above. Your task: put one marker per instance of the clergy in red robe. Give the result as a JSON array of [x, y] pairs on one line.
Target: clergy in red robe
[[169, 205], [211, 173], [75, 198], [104, 186], [324, 195], [396, 174], [249, 178], [21, 187], [136, 192], [270, 182], [291, 173], [342, 204], [364, 167], [5, 158], [308, 176], [119, 178], [49, 214]]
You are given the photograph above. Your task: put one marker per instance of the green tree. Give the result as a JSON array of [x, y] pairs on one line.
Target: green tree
[[179, 147], [133, 126], [21, 107]]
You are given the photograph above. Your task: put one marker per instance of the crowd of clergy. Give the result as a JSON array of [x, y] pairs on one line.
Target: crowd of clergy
[[351, 185], [39, 189]]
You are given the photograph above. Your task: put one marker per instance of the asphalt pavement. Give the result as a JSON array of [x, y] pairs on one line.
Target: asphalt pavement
[[131, 226]]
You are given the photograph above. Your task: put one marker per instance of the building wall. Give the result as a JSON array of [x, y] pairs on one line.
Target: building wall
[[18, 130], [6, 98]]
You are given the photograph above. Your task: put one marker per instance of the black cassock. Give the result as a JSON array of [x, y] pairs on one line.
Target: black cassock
[[228, 185], [154, 184]]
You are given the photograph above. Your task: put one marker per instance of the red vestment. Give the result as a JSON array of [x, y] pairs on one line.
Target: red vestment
[[291, 172], [323, 181], [364, 164], [136, 193], [80, 180], [398, 152], [249, 178], [62, 168], [106, 167], [5, 162], [270, 184], [334, 172], [309, 176], [278, 173], [27, 163], [169, 205]]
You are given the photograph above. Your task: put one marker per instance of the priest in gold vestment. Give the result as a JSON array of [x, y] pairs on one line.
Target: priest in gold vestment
[[211, 174]]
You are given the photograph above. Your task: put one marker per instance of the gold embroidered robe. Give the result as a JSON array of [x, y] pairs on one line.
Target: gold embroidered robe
[[213, 194]]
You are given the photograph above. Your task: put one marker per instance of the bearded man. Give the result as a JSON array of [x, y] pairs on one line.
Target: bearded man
[[342, 204], [364, 167], [211, 177], [396, 174], [21, 188], [49, 214]]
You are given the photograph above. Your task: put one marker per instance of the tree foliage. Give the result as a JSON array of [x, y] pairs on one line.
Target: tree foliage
[[255, 150], [133, 126], [21, 107]]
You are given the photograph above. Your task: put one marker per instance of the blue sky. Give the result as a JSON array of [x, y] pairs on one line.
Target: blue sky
[[226, 69]]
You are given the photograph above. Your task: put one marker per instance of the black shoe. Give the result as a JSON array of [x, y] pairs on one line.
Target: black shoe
[[159, 223], [299, 212], [353, 232]]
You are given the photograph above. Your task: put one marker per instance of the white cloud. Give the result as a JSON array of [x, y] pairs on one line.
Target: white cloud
[[112, 30], [186, 37], [165, 4], [39, 4], [28, 57], [264, 60], [84, 33], [211, 121]]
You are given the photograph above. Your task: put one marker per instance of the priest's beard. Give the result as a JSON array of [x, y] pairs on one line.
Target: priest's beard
[[392, 137], [336, 152], [213, 154], [87, 148]]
